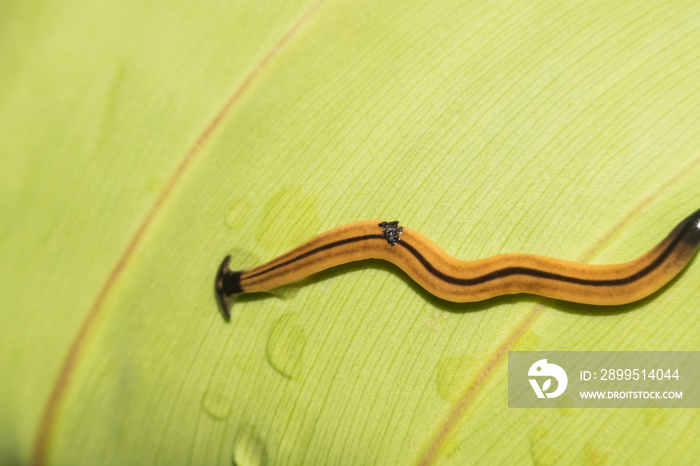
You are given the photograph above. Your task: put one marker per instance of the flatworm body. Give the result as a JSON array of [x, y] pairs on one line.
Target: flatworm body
[[466, 281]]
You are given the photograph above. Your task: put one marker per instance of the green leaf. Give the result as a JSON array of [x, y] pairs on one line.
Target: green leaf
[[141, 142]]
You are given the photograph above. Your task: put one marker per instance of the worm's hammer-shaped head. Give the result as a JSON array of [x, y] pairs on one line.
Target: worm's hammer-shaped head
[[226, 285]]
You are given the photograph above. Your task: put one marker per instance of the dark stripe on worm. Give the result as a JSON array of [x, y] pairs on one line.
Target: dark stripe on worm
[[547, 275], [315, 251]]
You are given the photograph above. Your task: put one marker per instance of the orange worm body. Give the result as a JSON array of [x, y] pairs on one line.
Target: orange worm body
[[465, 281]]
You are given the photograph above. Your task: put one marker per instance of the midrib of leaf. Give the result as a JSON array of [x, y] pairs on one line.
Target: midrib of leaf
[[53, 404], [456, 411]]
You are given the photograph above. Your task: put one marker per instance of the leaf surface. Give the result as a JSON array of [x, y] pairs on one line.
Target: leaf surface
[[144, 141]]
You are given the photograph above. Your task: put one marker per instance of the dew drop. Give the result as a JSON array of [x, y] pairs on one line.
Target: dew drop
[[249, 449], [453, 376], [237, 214], [218, 397], [291, 217], [216, 404], [285, 346]]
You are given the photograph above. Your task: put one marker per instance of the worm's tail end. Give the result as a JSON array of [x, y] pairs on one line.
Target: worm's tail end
[[690, 238], [226, 285]]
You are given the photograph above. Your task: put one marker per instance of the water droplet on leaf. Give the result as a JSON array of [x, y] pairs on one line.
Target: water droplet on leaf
[[249, 449], [285, 346]]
